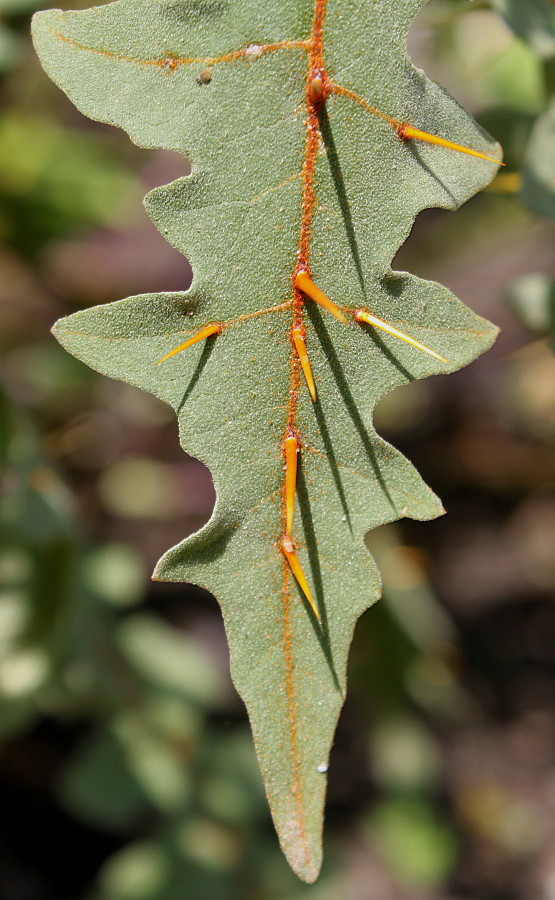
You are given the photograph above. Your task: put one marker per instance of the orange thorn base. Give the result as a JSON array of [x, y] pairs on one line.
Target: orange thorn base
[[300, 347], [317, 91], [200, 336], [291, 451], [307, 286], [361, 315], [406, 132], [288, 551]]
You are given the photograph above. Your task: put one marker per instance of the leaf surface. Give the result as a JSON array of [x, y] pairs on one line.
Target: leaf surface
[[276, 184]]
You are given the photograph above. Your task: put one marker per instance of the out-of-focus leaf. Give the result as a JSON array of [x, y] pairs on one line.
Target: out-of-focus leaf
[[59, 184], [18, 7], [514, 128], [120, 773], [138, 872], [98, 785], [12, 45], [167, 870], [404, 755], [140, 487], [528, 402], [419, 848], [169, 659], [230, 790], [408, 594], [38, 549], [538, 175], [114, 573], [10, 48], [531, 20], [159, 765], [532, 298], [209, 844]]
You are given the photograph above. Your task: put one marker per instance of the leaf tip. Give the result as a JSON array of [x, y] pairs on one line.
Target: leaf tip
[[59, 330], [303, 854]]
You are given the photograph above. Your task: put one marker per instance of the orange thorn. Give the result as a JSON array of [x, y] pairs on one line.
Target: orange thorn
[[406, 131], [361, 315], [300, 347], [291, 451], [288, 551], [200, 336], [307, 286]]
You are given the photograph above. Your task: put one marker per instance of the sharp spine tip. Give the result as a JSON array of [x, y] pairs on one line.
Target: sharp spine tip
[[406, 131], [201, 335], [299, 343], [362, 315], [291, 449], [288, 550]]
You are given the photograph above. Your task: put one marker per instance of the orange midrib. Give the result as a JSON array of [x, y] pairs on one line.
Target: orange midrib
[[315, 66]]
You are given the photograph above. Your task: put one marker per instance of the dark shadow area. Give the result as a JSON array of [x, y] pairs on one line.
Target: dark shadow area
[[41, 836], [322, 632], [330, 453], [347, 396], [339, 184], [204, 357]]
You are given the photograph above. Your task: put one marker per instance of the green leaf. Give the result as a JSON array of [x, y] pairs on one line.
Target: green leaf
[[532, 21], [244, 218], [538, 174], [420, 849], [168, 660], [532, 298], [98, 785]]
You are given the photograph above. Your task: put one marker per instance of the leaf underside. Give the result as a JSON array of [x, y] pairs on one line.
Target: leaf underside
[[276, 184]]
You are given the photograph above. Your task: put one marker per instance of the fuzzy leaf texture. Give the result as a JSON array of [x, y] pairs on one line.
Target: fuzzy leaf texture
[[279, 182]]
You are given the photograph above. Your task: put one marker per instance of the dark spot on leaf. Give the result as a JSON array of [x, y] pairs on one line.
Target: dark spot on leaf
[[204, 77]]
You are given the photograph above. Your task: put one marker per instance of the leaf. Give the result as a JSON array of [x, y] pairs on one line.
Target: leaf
[[168, 660], [538, 174], [532, 21], [226, 84], [532, 299]]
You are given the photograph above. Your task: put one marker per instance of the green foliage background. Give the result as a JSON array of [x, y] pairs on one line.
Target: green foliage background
[[121, 734]]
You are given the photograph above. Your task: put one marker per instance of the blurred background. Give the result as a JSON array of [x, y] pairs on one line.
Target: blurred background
[[127, 770]]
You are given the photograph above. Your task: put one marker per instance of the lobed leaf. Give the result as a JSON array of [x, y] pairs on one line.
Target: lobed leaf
[[279, 183]]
